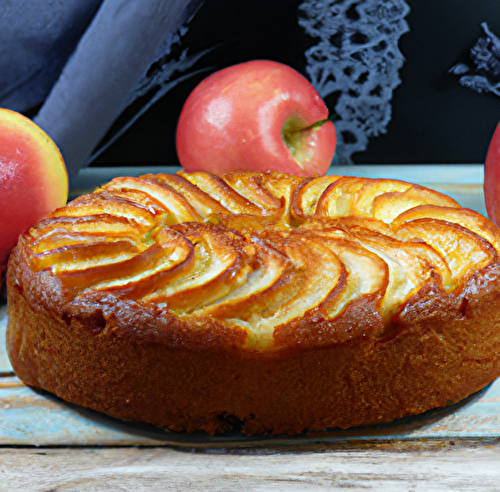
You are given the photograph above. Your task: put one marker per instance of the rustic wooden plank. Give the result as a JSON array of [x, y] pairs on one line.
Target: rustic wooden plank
[[5, 367], [430, 469]]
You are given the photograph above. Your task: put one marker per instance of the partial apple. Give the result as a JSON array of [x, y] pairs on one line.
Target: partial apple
[[260, 116], [33, 178], [492, 178]]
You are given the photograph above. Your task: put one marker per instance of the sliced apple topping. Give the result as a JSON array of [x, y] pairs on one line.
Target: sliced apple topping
[[98, 224], [355, 196], [220, 266], [282, 186], [163, 194], [266, 288], [75, 257], [102, 202], [306, 195], [464, 251], [228, 248], [163, 261], [320, 280], [62, 231], [218, 189], [201, 201], [415, 260], [388, 206], [251, 187], [368, 274], [469, 219]]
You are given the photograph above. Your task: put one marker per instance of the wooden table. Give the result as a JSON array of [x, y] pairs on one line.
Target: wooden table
[[47, 444]]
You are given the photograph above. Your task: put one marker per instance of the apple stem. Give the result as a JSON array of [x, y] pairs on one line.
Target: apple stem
[[293, 135]]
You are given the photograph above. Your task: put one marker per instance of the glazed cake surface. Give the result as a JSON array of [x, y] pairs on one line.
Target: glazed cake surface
[[263, 302]]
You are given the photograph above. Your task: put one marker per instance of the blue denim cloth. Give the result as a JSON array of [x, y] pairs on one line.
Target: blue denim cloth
[[37, 38], [82, 59]]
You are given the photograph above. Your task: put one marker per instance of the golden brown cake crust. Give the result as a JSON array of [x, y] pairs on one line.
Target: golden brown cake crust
[[187, 370]]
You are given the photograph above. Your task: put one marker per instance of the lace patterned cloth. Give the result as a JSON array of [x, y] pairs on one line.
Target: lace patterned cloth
[[481, 72], [355, 64]]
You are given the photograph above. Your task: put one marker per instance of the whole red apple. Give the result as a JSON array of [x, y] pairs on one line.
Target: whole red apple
[[259, 115], [492, 178], [33, 178]]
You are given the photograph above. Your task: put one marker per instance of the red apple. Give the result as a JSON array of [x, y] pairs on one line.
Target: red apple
[[259, 115], [492, 178], [33, 178]]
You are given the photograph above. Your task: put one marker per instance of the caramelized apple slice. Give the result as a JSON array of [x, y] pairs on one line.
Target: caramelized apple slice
[[368, 275], [316, 291], [164, 261], [219, 266], [105, 203], [99, 224], [201, 201], [141, 198], [267, 286], [469, 219], [80, 256], [372, 267], [62, 231], [172, 201], [419, 261], [355, 196], [464, 251], [282, 185], [372, 189], [388, 206], [306, 195], [217, 188], [250, 186]]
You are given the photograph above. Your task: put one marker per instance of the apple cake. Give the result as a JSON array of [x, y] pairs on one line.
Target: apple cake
[[261, 302]]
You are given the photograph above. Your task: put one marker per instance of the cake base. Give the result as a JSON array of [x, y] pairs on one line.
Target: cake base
[[440, 349]]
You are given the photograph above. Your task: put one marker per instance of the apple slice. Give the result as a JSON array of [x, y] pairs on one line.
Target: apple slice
[[217, 188], [103, 202], [201, 201], [33, 178], [169, 199], [80, 255], [420, 263], [267, 286], [282, 185], [317, 290], [463, 250], [306, 195], [99, 224], [388, 206], [220, 265], [469, 219], [250, 185], [136, 276], [354, 196], [368, 275]]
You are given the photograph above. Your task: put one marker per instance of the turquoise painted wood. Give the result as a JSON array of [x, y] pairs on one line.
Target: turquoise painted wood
[[32, 417]]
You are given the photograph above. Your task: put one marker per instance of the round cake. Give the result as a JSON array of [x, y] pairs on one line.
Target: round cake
[[260, 302]]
